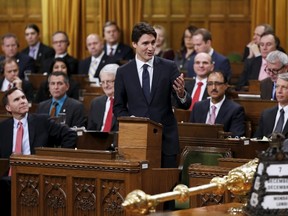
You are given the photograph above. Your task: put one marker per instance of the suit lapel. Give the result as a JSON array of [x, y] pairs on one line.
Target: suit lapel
[[156, 77], [222, 112], [31, 128]]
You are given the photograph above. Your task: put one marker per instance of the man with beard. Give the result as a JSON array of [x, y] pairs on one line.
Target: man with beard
[[218, 109]]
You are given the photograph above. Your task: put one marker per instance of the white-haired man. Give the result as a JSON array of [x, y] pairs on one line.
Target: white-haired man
[[101, 116]]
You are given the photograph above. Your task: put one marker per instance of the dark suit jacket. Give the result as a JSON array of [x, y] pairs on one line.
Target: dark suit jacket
[[220, 63], [95, 118], [26, 87], [123, 52], [25, 62], [41, 131], [84, 65], [44, 94], [130, 99], [71, 61], [231, 115], [74, 111], [250, 72], [44, 52], [266, 88], [266, 123]]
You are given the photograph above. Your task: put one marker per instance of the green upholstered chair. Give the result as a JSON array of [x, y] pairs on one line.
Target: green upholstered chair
[[198, 154]]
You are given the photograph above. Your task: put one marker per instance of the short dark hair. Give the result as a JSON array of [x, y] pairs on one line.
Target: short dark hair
[[111, 23], [276, 39], [205, 34], [140, 29], [191, 29], [59, 73], [9, 35], [64, 33], [59, 60], [7, 61], [33, 26], [7, 93], [219, 72]]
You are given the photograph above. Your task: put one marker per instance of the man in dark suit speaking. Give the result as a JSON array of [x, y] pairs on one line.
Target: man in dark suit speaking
[[143, 88], [218, 109]]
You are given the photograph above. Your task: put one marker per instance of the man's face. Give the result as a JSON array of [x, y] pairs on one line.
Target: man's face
[[267, 44], [107, 83], [60, 66], [58, 87], [111, 34], [17, 103], [145, 47], [203, 64], [259, 30], [60, 43], [282, 92], [9, 47], [11, 71], [216, 87], [200, 45], [94, 45], [31, 36], [275, 68]]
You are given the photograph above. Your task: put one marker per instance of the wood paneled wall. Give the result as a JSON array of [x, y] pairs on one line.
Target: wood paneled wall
[[229, 21]]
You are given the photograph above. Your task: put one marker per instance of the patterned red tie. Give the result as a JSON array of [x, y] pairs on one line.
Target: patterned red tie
[[108, 122], [9, 86], [19, 139], [196, 95]]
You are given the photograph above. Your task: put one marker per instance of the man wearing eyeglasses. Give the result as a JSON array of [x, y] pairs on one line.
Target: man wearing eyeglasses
[[277, 63], [218, 109], [60, 43], [101, 116]]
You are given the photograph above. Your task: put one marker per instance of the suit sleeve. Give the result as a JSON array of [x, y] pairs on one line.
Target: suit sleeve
[[63, 133], [259, 132], [237, 127], [120, 96]]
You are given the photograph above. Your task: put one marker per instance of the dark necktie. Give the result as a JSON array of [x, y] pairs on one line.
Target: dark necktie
[[280, 122], [111, 52], [196, 95], [108, 122], [146, 82], [53, 109]]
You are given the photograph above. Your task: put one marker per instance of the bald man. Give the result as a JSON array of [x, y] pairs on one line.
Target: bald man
[[97, 59]]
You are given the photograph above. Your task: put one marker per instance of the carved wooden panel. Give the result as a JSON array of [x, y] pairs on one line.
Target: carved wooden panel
[[55, 195], [28, 194], [112, 195], [84, 196]]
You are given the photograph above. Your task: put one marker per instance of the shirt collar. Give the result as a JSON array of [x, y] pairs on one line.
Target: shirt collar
[[23, 120], [36, 47], [98, 58], [219, 104], [140, 63], [61, 55]]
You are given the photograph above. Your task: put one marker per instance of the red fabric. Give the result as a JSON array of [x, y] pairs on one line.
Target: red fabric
[[108, 122], [19, 139], [196, 95]]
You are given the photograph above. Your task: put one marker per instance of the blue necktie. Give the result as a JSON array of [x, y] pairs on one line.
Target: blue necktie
[[146, 82]]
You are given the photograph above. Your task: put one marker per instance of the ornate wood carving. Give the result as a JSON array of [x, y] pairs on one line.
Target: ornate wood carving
[[113, 196], [28, 190]]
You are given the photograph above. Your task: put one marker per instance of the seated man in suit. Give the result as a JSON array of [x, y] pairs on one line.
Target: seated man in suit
[[197, 87], [24, 132], [36, 49], [10, 46], [116, 50], [218, 109], [277, 63], [97, 59], [11, 79], [61, 103], [202, 41], [275, 119], [101, 111], [61, 43], [254, 68]]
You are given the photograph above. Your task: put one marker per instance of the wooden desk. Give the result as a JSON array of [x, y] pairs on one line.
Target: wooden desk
[[80, 185], [215, 210]]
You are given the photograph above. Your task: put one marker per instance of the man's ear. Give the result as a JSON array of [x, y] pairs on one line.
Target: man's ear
[[8, 108]]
